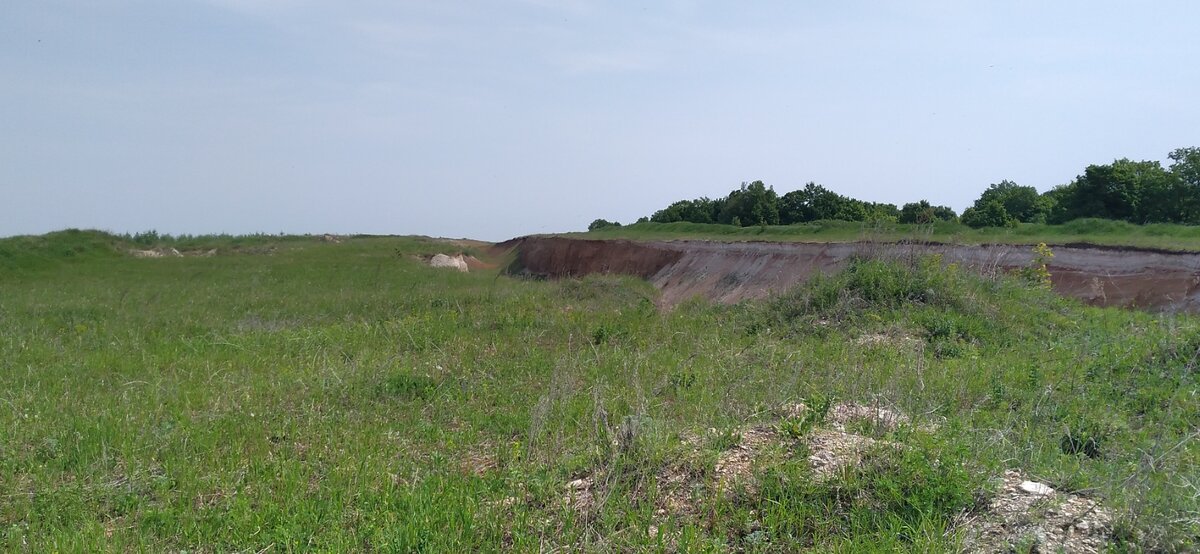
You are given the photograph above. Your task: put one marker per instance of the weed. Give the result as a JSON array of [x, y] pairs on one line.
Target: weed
[[1082, 439], [726, 439], [404, 386], [1037, 272], [606, 333], [682, 379], [811, 415]]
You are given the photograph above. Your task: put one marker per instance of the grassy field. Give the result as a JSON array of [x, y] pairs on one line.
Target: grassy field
[[1093, 231], [300, 395]]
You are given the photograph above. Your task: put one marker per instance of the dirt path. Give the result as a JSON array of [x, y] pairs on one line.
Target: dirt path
[[729, 272]]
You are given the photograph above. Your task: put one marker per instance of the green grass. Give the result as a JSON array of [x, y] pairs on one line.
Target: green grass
[[53, 249], [1091, 231], [344, 397]]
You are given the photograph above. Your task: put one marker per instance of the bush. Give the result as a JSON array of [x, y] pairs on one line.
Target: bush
[[988, 214], [602, 224], [870, 285], [924, 213]]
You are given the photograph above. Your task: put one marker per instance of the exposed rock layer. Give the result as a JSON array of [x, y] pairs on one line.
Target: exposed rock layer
[[732, 271]]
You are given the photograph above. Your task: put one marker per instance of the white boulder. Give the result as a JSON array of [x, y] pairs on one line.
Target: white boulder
[[455, 262]]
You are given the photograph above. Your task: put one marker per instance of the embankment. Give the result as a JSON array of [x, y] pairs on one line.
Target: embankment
[[731, 271]]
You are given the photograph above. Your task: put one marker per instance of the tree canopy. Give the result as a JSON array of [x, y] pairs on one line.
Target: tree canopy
[[1133, 191], [602, 224], [753, 204], [1137, 192], [923, 212]]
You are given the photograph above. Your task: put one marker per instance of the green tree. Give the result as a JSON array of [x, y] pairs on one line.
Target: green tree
[[923, 212], [944, 213], [1137, 192], [1023, 203], [793, 208], [880, 211], [700, 210], [989, 214], [602, 224], [826, 204], [815, 202], [1185, 166], [917, 212], [752, 204]]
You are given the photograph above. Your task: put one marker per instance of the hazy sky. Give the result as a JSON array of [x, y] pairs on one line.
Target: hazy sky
[[491, 119]]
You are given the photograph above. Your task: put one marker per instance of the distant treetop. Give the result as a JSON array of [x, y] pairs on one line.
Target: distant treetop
[[1136, 192]]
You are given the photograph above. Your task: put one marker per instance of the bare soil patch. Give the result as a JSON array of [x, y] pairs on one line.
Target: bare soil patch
[[1027, 516]]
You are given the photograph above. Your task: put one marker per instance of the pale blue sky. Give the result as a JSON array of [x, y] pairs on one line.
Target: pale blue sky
[[491, 119]]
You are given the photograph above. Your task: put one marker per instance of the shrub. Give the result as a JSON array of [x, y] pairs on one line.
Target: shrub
[[988, 214], [1037, 272], [602, 224], [871, 285]]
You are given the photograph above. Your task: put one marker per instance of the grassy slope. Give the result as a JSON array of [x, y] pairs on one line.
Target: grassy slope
[[345, 397], [1094, 231]]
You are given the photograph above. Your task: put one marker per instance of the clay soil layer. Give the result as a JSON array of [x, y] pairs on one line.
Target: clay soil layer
[[728, 272]]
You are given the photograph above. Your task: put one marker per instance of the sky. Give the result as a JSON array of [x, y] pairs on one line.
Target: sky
[[491, 119]]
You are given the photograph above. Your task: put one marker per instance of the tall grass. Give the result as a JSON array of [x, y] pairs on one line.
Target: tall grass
[[345, 397]]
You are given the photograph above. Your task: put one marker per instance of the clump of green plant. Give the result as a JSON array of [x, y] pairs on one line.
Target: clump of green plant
[[607, 333], [725, 439], [951, 334], [406, 386], [1038, 272], [893, 497], [869, 286], [682, 379], [812, 415], [1085, 437]]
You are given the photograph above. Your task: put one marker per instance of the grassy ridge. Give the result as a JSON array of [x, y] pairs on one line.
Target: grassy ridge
[[1093, 231], [344, 397], [34, 252]]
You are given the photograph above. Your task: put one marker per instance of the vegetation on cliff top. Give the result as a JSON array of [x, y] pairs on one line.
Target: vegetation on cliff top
[[1139, 192], [1166, 236]]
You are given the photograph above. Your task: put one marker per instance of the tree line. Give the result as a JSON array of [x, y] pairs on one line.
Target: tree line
[[1137, 192]]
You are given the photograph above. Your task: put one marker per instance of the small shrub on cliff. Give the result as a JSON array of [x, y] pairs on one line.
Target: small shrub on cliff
[[1038, 272]]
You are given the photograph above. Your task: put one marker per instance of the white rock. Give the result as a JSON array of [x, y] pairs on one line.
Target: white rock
[[455, 262], [1033, 487]]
